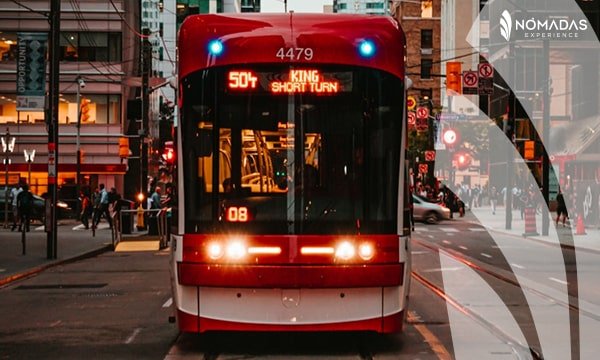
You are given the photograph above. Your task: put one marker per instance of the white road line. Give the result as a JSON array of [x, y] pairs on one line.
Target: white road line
[[170, 301], [518, 266], [420, 228], [486, 255], [56, 323], [463, 247], [443, 269], [477, 229], [132, 336], [448, 229], [431, 236], [446, 242], [558, 281], [449, 234], [412, 252]]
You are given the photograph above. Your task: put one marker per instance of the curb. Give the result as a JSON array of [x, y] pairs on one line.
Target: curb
[[33, 271]]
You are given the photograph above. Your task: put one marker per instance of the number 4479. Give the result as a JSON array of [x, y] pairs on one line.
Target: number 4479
[[295, 53]]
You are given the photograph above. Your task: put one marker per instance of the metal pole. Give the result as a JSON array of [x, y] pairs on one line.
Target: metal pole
[[510, 121], [78, 146], [52, 124], [29, 173], [546, 139], [7, 140]]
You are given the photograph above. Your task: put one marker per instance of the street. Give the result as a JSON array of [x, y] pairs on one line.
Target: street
[[118, 305]]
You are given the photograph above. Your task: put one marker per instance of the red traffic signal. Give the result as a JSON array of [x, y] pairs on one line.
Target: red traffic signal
[[462, 160], [169, 153]]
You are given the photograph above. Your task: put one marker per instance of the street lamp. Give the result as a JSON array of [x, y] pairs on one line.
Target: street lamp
[[80, 85], [29, 157], [8, 145]]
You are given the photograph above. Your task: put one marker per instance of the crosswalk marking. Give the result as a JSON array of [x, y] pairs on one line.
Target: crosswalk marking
[[518, 266], [448, 229], [486, 255], [477, 229], [558, 281], [463, 247]]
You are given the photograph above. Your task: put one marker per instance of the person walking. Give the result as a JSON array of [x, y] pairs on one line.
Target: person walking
[[14, 194], [86, 209], [493, 199], [103, 208], [25, 205], [561, 208]]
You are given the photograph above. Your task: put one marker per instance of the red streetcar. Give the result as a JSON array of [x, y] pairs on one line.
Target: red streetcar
[[293, 208]]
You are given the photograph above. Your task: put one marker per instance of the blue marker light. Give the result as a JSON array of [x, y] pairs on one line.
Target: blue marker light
[[366, 48], [215, 47]]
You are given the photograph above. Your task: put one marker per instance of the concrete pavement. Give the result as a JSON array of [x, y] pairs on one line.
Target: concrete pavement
[[73, 242], [561, 235]]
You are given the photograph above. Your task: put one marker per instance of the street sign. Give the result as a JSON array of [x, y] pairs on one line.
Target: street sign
[[422, 124], [412, 119], [411, 103], [31, 74], [449, 137], [429, 155], [423, 168], [470, 82], [422, 112], [486, 79]]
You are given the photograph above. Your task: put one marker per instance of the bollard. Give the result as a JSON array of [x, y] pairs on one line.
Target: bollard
[[530, 222], [23, 231]]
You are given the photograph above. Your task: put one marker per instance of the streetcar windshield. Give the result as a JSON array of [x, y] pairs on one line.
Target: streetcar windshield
[[291, 149]]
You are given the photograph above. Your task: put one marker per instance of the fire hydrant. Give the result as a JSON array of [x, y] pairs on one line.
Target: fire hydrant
[[140, 218]]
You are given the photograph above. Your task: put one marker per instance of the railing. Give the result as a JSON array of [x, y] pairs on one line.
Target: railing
[[158, 215]]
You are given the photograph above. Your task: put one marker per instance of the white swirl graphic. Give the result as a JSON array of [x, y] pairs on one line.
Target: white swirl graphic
[[506, 25]]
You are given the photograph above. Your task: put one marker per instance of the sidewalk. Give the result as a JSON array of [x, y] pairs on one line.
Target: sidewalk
[[73, 242], [556, 235]]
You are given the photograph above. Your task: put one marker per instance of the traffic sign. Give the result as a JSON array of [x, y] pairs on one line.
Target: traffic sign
[[422, 112], [422, 124], [423, 168], [412, 119], [486, 79], [429, 155], [485, 70], [411, 103], [470, 82], [449, 137]]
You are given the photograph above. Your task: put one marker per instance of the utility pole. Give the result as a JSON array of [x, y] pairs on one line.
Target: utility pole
[[52, 125], [146, 67], [546, 138]]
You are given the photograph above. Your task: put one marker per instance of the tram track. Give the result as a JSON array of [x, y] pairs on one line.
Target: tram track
[[520, 350]]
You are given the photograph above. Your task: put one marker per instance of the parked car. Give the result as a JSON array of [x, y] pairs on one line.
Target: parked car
[[429, 212], [39, 207]]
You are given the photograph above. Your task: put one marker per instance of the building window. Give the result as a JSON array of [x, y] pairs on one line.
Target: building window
[[8, 46], [426, 8], [426, 65], [90, 46], [375, 5], [100, 109], [426, 39]]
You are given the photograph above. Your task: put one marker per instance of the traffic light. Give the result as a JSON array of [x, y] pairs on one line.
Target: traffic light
[[453, 80], [529, 150], [462, 160], [169, 153], [123, 147], [85, 110]]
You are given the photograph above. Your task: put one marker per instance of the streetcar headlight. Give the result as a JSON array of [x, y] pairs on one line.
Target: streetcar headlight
[[366, 251], [345, 251], [215, 250], [236, 250], [215, 47], [366, 48]]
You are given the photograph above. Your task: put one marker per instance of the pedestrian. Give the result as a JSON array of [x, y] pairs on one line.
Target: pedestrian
[[86, 209], [25, 205], [561, 208], [103, 208], [493, 199], [14, 194]]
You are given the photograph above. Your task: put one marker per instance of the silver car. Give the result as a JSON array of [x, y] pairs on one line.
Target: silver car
[[429, 212]]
